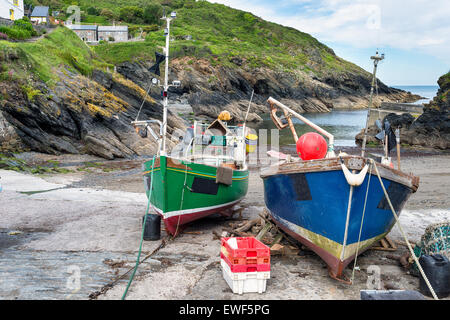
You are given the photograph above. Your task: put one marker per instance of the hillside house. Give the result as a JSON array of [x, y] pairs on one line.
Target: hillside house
[[40, 15], [88, 33], [113, 33], [11, 9]]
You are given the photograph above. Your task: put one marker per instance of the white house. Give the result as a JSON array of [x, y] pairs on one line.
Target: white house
[[113, 33], [40, 15], [11, 9]]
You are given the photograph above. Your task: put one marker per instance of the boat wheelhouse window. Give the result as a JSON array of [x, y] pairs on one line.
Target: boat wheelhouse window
[[398, 194], [206, 186], [301, 186]]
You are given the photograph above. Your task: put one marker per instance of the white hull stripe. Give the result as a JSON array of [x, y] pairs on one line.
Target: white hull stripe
[[189, 211]]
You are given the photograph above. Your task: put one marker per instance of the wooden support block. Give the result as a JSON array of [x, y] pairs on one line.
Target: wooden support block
[[277, 239], [264, 230], [386, 245]]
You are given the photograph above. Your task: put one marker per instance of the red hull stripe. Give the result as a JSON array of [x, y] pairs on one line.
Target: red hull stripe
[[172, 222]]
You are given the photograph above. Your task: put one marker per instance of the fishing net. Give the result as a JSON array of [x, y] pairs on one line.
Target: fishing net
[[435, 240]]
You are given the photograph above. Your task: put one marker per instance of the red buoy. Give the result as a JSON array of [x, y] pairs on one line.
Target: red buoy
[[311, 146]]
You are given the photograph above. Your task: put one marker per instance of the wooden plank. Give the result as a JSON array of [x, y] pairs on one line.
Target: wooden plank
[[264, 230]]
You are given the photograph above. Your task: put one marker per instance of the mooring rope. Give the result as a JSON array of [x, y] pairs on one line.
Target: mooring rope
[[142, 233], [403, 233], [143, 101]]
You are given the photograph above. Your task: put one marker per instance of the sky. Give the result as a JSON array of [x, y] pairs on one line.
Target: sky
[[414, 35]]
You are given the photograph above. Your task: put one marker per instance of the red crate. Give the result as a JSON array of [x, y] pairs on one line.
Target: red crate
[[244, 260], [248, 250], [265, 267]]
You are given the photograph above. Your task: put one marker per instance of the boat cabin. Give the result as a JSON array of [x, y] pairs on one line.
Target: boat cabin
[[215, 144]]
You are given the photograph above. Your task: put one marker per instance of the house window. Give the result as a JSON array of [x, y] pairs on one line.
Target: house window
[[11, 14]]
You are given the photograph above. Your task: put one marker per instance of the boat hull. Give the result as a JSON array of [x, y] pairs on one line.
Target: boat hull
[[184, 191], [311, 203]]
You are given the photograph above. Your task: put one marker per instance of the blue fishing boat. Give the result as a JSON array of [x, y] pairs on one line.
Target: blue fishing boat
[[338, 205], [313, 202]]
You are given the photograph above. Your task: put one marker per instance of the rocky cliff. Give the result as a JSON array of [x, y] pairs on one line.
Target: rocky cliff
[[59, 95], [431, 129], [210, 89], [72, 113]]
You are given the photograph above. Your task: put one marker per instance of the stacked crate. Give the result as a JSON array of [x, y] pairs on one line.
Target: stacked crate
[[245, 264]]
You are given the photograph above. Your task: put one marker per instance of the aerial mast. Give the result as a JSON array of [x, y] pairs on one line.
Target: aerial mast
[[166, 79], [376, 58]]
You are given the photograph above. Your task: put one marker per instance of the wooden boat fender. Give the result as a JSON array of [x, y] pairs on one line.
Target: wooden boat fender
[[224, 175], [354, 179]]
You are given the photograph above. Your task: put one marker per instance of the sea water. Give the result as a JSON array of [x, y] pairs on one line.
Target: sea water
[[343, 124], [428, 92]]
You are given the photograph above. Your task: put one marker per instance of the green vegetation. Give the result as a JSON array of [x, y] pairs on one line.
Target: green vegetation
[[19, 165], [22, 29], [219, 34], [444, 84], [44, 58]]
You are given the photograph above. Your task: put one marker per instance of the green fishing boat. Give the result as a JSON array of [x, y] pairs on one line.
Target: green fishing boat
[[205, 173]]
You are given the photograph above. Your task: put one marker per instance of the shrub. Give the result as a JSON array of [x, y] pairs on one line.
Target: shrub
[[93, 11], [152, 14], [109, 14], [3, 36], [26, 25], [21, 29], [132, 14], [16, 32]]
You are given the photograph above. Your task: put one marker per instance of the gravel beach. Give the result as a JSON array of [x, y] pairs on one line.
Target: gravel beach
[[65, 236]]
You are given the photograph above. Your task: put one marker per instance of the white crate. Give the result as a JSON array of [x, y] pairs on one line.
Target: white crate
[[243, 282]]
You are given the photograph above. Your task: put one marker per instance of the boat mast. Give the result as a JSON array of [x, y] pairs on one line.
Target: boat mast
[[376, 58], [166, 81]]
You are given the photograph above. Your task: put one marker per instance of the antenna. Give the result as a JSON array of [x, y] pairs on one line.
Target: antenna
[[376, 59], [166, 79]]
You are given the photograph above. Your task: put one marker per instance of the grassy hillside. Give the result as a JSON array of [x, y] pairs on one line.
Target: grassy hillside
[[44, 57], [219, 33]]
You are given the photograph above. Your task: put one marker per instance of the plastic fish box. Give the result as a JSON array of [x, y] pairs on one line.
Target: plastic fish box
[[244, 282], [262, 267], [248, 250]]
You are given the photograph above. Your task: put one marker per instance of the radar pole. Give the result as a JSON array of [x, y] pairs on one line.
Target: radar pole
[[376, 58]]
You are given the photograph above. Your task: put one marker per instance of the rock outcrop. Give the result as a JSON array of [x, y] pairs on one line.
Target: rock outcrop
[[210, 89], [79, 115], [431, 129]]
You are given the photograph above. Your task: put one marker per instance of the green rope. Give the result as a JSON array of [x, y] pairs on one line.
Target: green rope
[[142, 233]]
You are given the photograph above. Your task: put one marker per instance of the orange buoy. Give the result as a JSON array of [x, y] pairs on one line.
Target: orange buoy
[[311, 146]]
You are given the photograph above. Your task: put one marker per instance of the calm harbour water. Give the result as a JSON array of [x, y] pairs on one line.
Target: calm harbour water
[[343, 124]]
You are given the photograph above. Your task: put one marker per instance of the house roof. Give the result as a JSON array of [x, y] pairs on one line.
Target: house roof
[[82, 27], [113, 28], [40, 11]]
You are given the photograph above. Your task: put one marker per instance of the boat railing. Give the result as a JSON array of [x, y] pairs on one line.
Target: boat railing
[[146, 124], [288, 112]]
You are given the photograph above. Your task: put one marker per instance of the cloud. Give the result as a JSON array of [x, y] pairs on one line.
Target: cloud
[[401, 24]]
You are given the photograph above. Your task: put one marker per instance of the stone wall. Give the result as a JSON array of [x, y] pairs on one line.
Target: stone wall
[[5, 22]]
